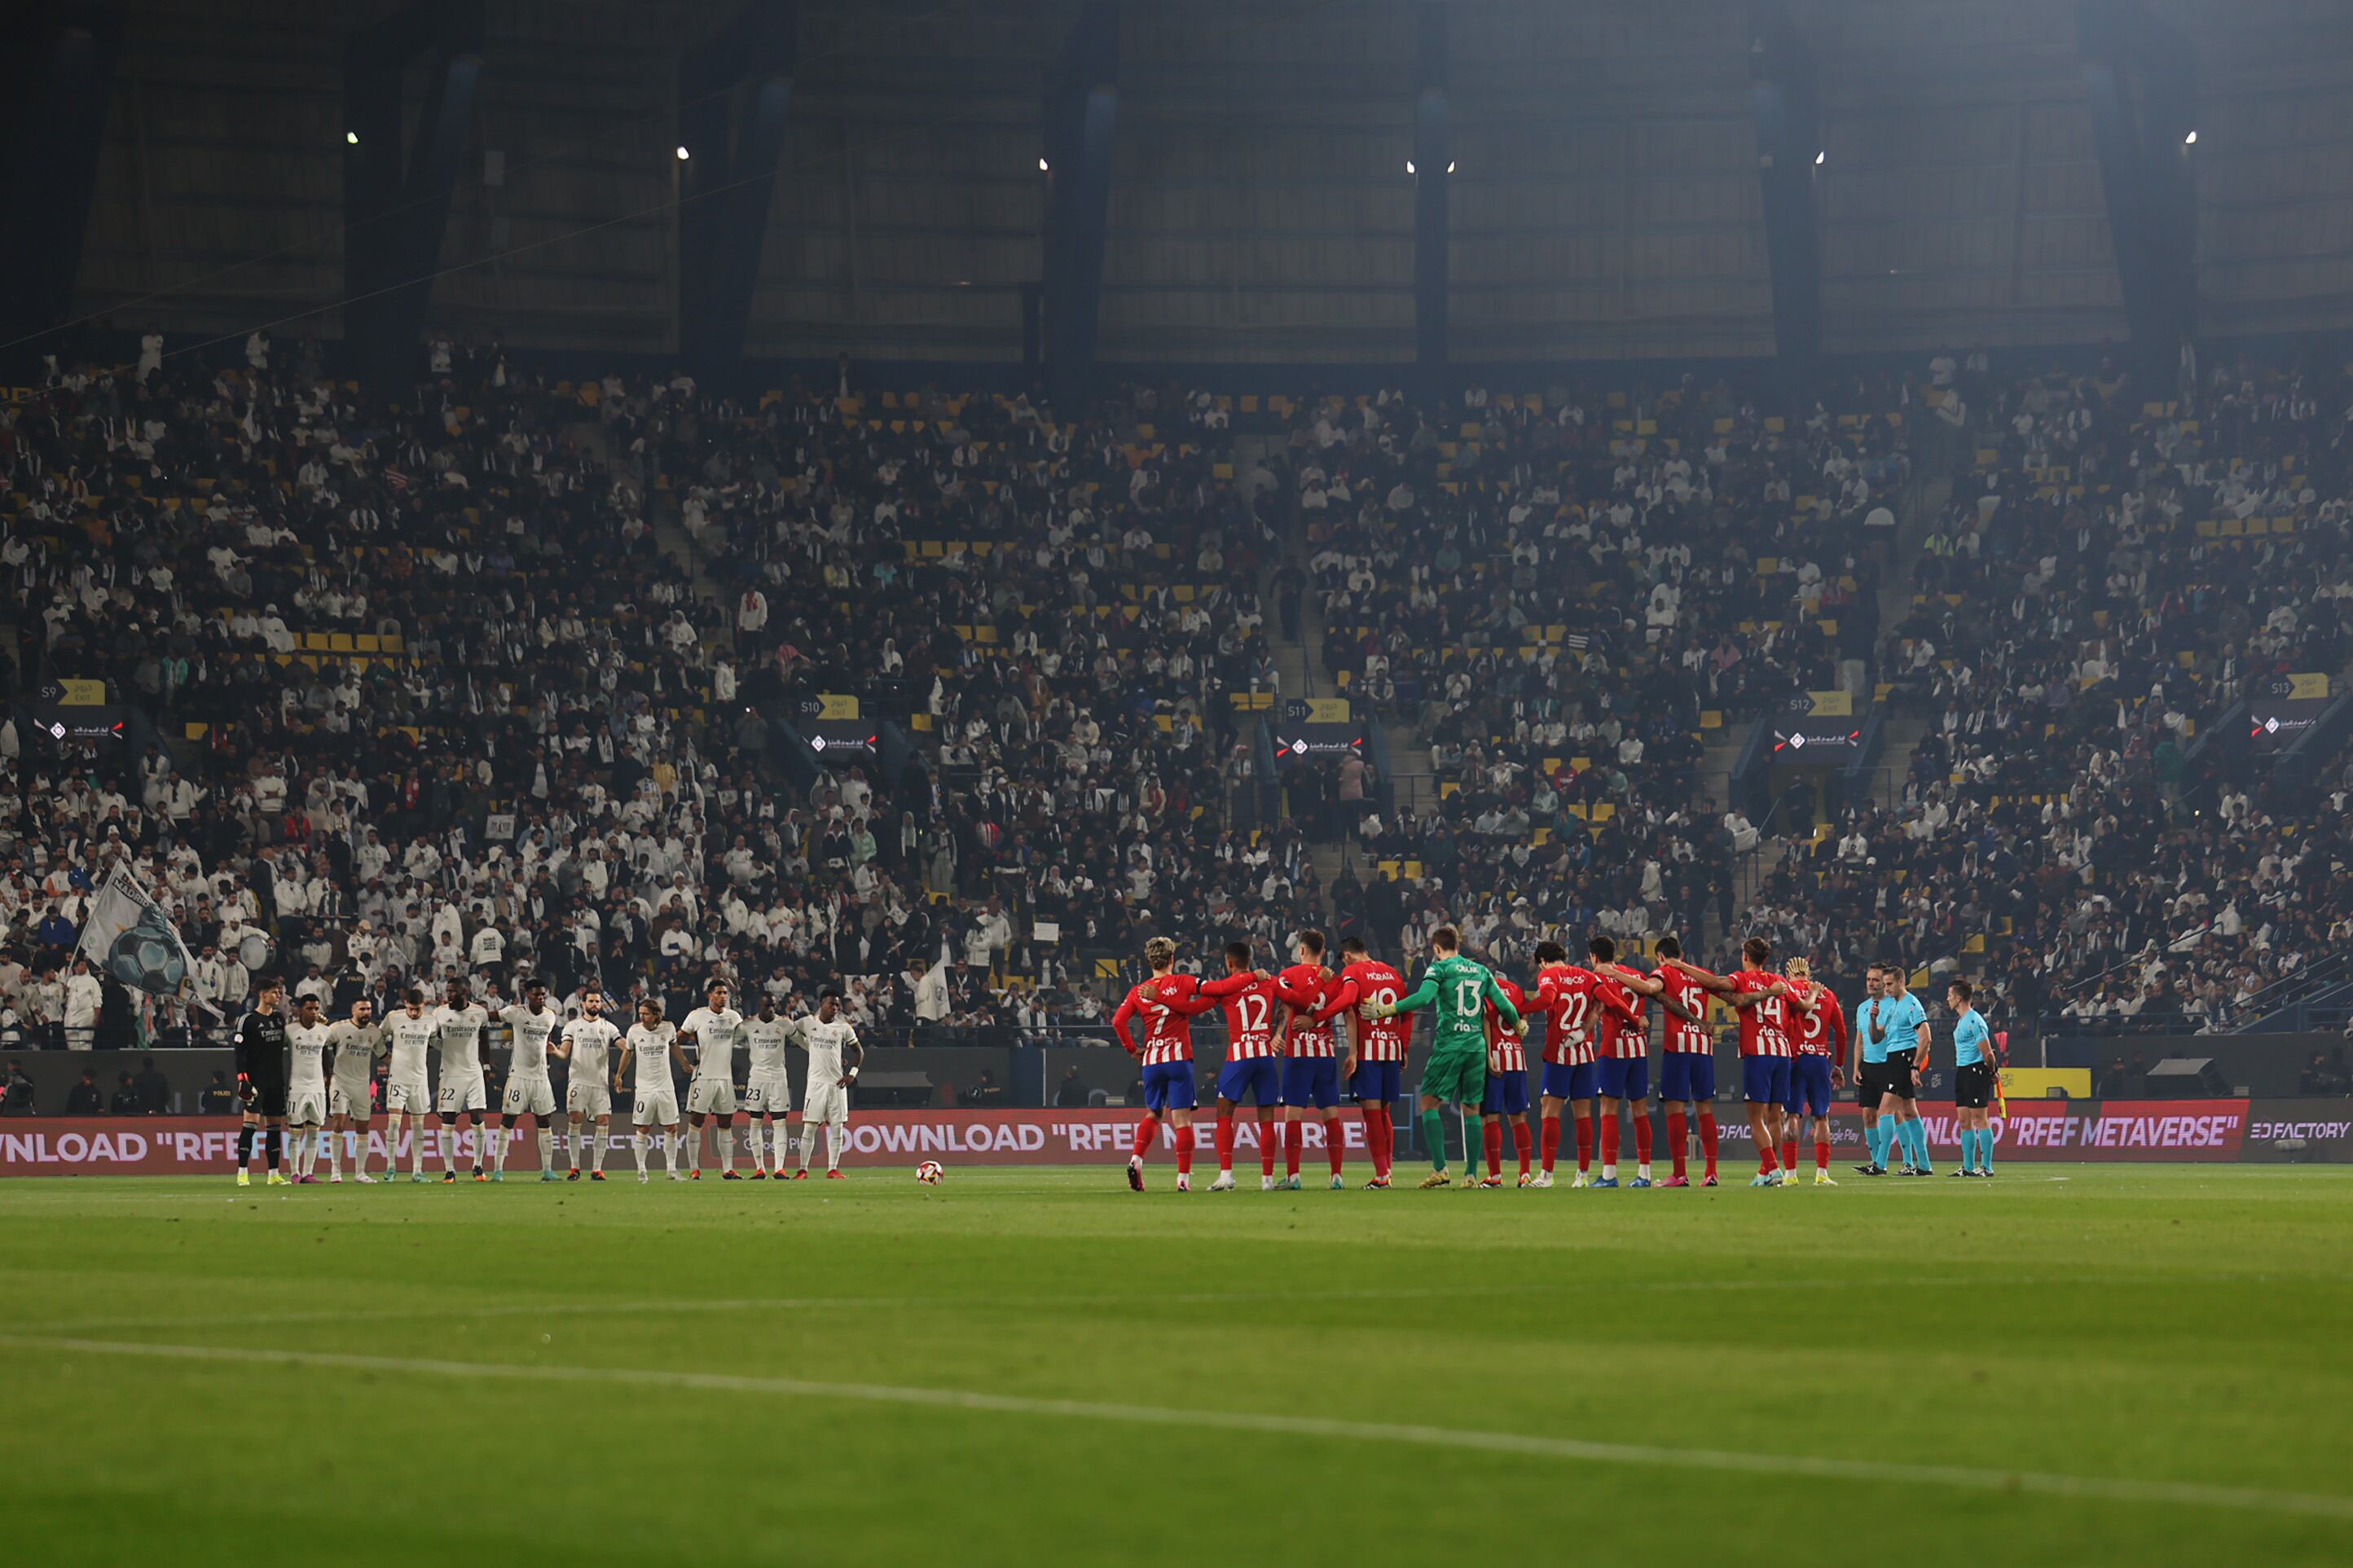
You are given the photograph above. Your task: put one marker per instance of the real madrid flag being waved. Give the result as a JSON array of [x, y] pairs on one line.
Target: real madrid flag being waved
[[129, 937]]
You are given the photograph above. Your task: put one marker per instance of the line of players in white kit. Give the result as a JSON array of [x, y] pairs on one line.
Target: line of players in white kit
[[329, 1100]]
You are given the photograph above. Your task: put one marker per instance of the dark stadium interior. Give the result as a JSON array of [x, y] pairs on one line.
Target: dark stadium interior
[[873, 492]]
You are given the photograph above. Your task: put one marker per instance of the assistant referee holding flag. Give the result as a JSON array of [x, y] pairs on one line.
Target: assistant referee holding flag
[[261, 1080]]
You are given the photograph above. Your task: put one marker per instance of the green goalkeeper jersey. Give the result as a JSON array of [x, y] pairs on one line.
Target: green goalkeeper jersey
[[1459, 988]]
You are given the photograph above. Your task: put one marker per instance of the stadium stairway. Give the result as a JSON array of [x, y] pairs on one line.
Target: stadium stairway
[[1904, 737], [713, 601], [1719, 751], [1921, 502], [662, 511], [1296, 663], [1293, 665]]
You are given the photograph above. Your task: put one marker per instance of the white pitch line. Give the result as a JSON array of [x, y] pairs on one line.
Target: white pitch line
[[461, 1312], [2103, 1489], [458, 1312]]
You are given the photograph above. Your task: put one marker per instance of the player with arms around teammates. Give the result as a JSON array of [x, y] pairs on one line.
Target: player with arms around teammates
[[1311, 1079], [412, 1031], [714, 1029], [1253, 1063], [1814, 1075], [458, 1031], [1567, 995], [1624, 1057], [1374, 1068], [529, 1092], [587, 1045], [768, 1092], [1762, 999], [1686, 1068], [306, 1086], [651, 1048], [1505, 1100], [1459, 990], [354, 1046], [834, 1057], [1168, 1002]]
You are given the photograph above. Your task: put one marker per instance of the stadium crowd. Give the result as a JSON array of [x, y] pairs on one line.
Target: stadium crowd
[[488, 680], [514, 675], [2101, 589], [1553, 593]]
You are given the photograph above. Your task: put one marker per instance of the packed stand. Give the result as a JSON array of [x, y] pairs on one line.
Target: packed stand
[[1552, 594], [2107, 580], [489, 681]]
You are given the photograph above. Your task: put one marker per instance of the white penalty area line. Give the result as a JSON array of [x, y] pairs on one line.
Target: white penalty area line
[[2187, 1494]]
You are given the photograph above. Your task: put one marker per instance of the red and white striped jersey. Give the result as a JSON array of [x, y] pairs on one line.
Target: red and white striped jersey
[[1823, 1032], [1379, 1040], [1623, 1038], [1690, 1038], [1251, 1011], [1168, 1022], [1507, 1051], [1565, 995], [1764, 1029], [1306, 988]]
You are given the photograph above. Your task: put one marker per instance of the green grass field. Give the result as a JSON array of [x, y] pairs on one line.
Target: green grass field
[[2073, 1364]]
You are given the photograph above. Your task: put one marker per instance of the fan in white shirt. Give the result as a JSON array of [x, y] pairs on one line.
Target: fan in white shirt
[[826, 1101]]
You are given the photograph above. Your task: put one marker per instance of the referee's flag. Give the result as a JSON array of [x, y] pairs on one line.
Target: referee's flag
[[130, 938]]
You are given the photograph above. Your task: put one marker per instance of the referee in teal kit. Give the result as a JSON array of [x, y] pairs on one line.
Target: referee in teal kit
[[1893, 1028], [1973, 1077]]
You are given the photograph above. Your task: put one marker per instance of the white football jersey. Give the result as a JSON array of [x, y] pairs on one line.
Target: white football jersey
[[592, 1042], [357, 1048], [649, 1064], [461, 1032], [715, 1035], [531, 1032], [309, 1055], [767, 1038], [411, 1038], [824, 1043]]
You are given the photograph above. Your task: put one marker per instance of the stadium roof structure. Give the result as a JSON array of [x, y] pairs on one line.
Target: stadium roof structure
[[988, 182]]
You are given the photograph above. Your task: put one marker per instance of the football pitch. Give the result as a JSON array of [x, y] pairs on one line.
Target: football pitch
[[2070, 1364]]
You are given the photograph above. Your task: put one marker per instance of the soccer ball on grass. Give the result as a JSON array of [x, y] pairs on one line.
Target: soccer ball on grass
[[929, 1173]]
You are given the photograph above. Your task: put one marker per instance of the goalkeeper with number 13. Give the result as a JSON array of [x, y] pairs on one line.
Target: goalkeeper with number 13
[[1456, 1074]]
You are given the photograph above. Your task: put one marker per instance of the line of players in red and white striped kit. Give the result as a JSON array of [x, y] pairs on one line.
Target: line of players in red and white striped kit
[[1285, 1058]]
